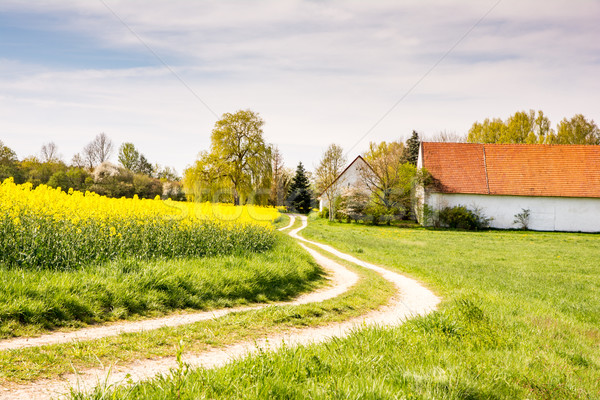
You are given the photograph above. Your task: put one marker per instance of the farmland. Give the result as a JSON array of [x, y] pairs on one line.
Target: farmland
[[72, 259], [519, 319]]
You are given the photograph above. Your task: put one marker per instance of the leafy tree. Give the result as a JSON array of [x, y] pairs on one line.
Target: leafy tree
[[239, 160], [522, 127], [38, 172], [75, 178], [389, 178], [577, 130], [128, 156], [165, 173], [131, 159], [144, 167], [411, 150], [330, 167], [9, 164], [299, 198]]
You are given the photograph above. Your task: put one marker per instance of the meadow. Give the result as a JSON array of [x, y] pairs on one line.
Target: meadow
[[519, 319]]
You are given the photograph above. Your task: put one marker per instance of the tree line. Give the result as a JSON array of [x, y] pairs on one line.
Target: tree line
[[531, 127], [90, 170]]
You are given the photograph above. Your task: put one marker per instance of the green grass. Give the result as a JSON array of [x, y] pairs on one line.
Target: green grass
[[34, 301], [519, 319], [50, 361], [282, 221]]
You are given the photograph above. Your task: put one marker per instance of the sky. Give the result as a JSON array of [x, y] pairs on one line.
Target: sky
[[159, 74]]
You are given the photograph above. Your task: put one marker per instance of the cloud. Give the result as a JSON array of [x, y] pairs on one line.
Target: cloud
[[318, 72]]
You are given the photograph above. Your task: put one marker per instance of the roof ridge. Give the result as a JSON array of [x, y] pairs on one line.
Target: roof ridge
[[487, 179]]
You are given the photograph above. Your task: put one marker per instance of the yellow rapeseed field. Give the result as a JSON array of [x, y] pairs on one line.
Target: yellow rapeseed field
[[45, 227]]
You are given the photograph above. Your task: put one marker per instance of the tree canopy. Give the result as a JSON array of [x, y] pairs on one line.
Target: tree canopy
[[577, 130], [239, 161], [390, 178], [531, 127]]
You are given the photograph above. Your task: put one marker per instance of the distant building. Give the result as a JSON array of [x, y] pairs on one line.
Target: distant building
[[351, 176], [558, 184]]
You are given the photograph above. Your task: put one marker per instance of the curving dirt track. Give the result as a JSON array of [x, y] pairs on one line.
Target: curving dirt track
[[411, 299]]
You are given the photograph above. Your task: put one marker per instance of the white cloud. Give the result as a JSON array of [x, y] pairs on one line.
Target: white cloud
[[318, 72]]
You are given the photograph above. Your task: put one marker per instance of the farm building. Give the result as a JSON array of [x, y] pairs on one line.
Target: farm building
[[351, 176], [558, 184]]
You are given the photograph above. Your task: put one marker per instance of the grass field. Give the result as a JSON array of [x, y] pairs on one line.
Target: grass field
[[519, 319], [33, 363], [36, 300]]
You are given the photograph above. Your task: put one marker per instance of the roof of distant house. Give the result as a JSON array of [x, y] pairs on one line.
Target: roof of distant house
[[514, 169]]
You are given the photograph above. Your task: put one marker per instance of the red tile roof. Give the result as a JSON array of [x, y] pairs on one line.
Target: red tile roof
[[514, 169]]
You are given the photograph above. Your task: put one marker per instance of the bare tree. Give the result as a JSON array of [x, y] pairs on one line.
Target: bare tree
[[78, 161], [49, 153], [282, 178], [448, 137], [330, 167], [98, 150]]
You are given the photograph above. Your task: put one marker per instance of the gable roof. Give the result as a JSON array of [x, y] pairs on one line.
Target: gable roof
[[514, 169], [343, 172]]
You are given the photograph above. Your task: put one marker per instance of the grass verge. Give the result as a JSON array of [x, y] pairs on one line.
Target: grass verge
[[30, 364], [34, 301], [519, 319]]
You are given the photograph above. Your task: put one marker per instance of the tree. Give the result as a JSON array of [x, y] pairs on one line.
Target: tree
[[128, 156], [300, 196], [144, 167], [389, 178], [239, 159], [522, 127], [411, 150], [166, 173], [131, 159], [98, 150], [577, 130], [448, 137], [282, 179], [38, 172], [77, 161], [9, 164], [330, 167], [49, 153]]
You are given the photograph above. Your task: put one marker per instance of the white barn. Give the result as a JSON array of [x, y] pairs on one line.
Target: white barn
[[350, 176], [558, 184]]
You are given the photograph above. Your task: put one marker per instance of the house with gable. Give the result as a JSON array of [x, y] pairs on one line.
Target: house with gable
[[558, 184], [351, 176]]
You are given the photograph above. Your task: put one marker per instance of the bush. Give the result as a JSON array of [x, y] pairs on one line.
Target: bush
[[324, 213], [462, 218], [522, 218]]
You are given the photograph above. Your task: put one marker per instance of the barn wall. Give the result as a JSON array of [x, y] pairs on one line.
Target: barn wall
[[547, 213]]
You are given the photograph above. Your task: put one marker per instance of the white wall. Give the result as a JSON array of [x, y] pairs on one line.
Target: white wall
[[547, 213], [351, 177]]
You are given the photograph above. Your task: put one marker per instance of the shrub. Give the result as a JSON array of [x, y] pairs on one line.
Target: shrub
[[324, 213], [522, 218], [462, 218]]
